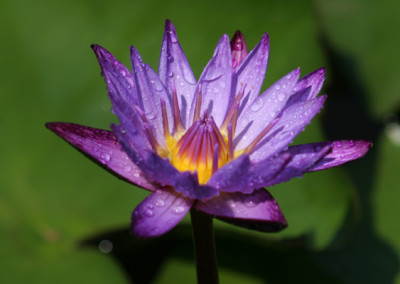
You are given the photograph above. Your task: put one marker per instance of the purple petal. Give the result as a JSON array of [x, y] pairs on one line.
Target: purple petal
[[258, 211], [256, 116], [158, 213], [174, 67], [119, 79], [303, 157], [294, 119], [343, 151], [161, 171], [123, 95], [187, 184], [215, 83], [251, 72], [102, 147], [315, 80], [150, 93], [242, 176]]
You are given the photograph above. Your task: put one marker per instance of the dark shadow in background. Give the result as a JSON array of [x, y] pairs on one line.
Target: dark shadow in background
[[286, 261], [357, 254]]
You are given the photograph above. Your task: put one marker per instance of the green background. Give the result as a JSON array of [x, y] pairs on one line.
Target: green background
[[56, 205]]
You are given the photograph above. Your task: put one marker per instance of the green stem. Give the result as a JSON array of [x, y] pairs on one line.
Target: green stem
[[204, 247]]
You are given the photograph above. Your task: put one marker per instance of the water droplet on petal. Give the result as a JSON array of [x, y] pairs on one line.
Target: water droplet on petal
[[159, 203], [277, 87], [178, 210], [123, 73], [106, 157], [216, 90], [127, 169], [281, 97], [351, 143], [257, 104], [250, 203], [150, 206], [338, 144], [150, 115], [148, 213]]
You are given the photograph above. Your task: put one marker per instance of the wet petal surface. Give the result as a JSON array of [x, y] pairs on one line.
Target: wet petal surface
[[257, 211], [158, 213], [102, 147]]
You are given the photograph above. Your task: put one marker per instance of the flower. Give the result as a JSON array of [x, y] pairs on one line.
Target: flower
[[213, 144]]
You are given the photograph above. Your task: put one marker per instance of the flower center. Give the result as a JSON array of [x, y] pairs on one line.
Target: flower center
[[202, 148]]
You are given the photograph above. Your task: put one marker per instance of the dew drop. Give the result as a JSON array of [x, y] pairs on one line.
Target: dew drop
[[127, 169], [150, 206], [277, 87], [150, 115], [160, 203], [338, 144], [148, 213], [106, 157], [216, 90], [257, 104], [178, 210], [351, 143], [123, 73], [281, 97], [250, 203], [232, 204]]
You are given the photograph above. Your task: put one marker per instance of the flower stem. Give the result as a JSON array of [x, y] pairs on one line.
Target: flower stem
[[204, 246]]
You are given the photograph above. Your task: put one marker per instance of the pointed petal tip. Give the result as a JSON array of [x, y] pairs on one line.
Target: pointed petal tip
[[265, 40], [59, 127], [100, 51], [169, 26], [342, 151]]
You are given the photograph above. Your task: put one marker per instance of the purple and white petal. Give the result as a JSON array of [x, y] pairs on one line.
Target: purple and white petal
[[187, 184], [315, 80], [257, 211], [150, 94], [293, 120], [303, 157], [119, 79], [158, 213], [102, 147], [241, 175], [251, 72], [215, 83], [174, 67], [264, 109], [343, 151]]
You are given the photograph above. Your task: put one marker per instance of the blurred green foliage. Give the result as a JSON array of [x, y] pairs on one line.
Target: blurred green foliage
[[56, 205]]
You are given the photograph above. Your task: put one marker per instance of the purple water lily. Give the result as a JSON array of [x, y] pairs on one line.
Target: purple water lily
[[213, 144]]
